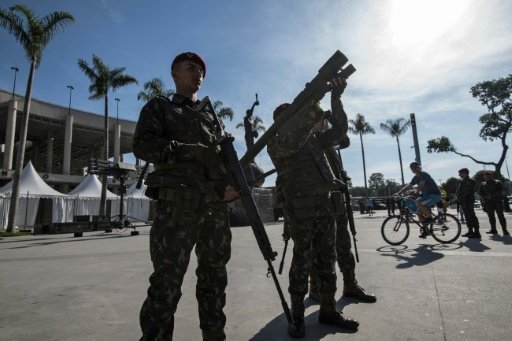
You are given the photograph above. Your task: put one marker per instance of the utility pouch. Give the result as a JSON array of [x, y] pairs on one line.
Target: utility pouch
[[338, 202], [184, 201], [306, 207]]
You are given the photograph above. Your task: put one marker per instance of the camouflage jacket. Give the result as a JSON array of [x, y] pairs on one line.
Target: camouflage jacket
[[300, 155], [466, 191], [179, 140], [491, 191]]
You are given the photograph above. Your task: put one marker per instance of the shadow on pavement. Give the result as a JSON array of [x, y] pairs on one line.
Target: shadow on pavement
[[422, 255], [475, 245], [276, 329], [507, 240]]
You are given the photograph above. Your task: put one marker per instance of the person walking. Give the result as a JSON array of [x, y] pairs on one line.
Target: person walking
[[491, 194]]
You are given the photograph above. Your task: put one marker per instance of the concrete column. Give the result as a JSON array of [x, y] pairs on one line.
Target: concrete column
[[49, 155], [137, 162], [102, 153], [10, 132], [35, 154], [117, 143], [68, 140]]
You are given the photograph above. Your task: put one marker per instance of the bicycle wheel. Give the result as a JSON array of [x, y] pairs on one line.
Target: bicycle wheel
[[446, 228], [395, 230]]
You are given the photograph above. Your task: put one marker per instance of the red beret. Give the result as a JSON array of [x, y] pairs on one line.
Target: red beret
[[280, 109], [191, 56]]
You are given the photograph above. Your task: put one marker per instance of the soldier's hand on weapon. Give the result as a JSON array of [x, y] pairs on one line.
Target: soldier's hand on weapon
[[337, 86], [230, 194]]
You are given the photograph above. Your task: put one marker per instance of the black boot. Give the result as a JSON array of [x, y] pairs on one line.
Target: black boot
[[505, 232], [329, 315], [476, 234], [297, 329], [492, 231], [214, 335], [353, 290]]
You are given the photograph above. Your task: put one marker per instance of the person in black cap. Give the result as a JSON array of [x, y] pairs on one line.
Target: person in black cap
[[491, 193], [466, 197], [189, 183]]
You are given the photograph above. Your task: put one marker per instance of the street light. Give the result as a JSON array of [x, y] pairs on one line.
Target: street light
[[117, 109], [71, 88], [14, 86]]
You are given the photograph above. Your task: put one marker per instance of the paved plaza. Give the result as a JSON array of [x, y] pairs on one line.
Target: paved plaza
[[58, 287]]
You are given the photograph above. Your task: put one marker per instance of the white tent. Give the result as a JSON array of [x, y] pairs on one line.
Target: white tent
[[31, 188], [87, 196], [136, 203]]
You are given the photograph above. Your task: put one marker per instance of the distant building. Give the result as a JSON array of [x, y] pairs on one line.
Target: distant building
[[60, 141]]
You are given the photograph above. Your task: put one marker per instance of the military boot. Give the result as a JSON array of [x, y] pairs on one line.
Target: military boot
[[214, 335], [505, 232], [492, 230], [329, 315], [354, 290], [297, 329]]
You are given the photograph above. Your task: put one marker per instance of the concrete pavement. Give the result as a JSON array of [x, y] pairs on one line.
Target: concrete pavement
[[57, 287]]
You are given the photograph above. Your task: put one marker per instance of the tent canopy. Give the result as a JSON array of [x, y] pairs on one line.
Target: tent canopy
[[90, 187], [135, 193], [31, 183]]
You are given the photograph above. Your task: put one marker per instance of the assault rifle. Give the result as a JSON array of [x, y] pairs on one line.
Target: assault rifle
[[237, 180], [312, 93], [348, 208]]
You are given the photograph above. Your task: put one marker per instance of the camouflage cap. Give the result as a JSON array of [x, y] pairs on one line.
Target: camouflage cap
[[191, 56]]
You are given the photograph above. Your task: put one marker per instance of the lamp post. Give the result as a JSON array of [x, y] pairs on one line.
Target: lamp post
[[117, 109], [71, 88], [15, 69]]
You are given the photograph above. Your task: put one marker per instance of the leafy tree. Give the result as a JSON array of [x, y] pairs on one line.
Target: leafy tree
[[451, 185], [376, 182], [103, 79], [222, 111], [154, 87], [360, 127], [391, 187], [396, 128], [496, 96], [33, 34]]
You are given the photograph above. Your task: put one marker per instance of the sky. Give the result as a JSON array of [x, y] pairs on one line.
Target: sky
[[411, 56]]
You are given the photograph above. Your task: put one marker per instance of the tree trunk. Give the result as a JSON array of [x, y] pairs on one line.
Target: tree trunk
[[400, 158], [364, 166], [103, 199], [20, 157]]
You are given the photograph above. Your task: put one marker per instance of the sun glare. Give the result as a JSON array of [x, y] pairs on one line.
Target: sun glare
[[414, 22]]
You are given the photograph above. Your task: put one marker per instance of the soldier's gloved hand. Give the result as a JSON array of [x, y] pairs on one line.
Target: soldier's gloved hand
[[337, 86]]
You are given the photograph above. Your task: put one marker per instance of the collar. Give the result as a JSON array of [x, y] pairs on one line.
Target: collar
[[183, 100]]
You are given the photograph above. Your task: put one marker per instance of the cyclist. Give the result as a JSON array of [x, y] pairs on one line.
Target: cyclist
[[427, 195]]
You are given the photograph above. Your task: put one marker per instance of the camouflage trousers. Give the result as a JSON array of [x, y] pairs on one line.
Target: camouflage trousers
[[490, 209], [314, 248], [344, 256], [172, 238], [471, 219]]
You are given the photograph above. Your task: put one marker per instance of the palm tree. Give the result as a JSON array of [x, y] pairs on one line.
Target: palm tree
[[360, 127], [103, 78], [33, 34], [155, 87], [395, 128], [223, 112]]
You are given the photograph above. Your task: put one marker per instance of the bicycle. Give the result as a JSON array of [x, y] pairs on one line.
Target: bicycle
[[445, 227]]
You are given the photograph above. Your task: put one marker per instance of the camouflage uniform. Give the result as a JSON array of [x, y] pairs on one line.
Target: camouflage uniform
[[466, 196], [180, 142], [491, 193]]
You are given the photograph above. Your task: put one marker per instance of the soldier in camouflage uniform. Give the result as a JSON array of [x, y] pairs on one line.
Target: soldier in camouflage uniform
[[466, 197], [345, 257], [188, 184], [491, 193], [312, 200]]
